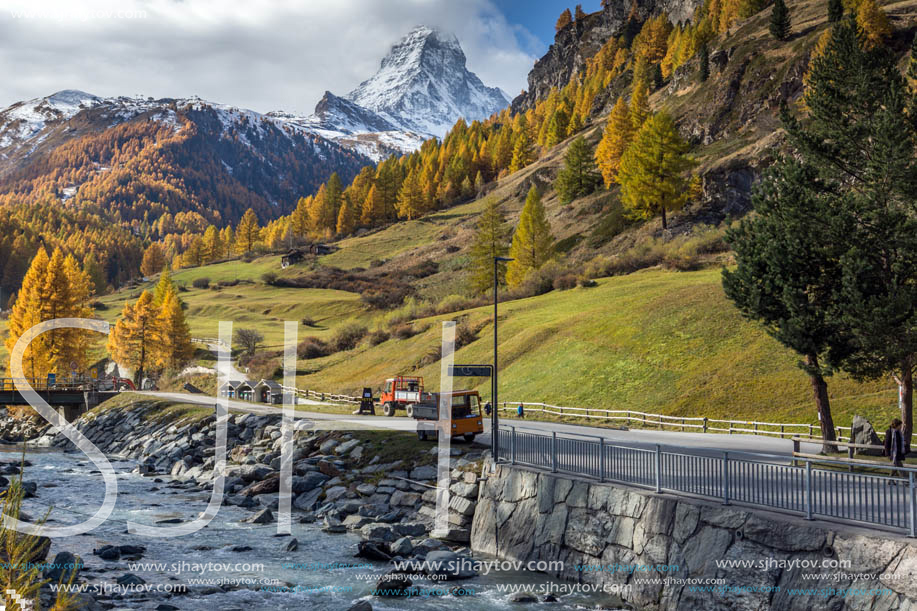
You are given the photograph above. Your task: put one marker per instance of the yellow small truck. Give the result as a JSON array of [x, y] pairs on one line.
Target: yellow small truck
[[466, 415]]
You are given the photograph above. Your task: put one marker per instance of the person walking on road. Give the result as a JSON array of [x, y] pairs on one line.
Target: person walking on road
[[894, 447]]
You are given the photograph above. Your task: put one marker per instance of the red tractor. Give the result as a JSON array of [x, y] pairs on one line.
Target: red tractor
[[402, 392]]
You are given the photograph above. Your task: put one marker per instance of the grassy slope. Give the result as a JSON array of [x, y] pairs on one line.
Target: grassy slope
[[254, 305], [653, 341]]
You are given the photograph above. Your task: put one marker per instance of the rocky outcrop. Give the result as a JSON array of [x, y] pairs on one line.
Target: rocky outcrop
[[581, 39], [611, 536]]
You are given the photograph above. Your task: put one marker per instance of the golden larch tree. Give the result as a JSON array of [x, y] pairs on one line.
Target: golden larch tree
[[533, 244], [248, 233], [154, 260], [618, 134], [564, 20], [652, 172], [873, 21], [172, 338], [132, 342]]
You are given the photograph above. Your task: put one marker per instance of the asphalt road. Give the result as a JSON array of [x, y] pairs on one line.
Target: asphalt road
[[757, 446]]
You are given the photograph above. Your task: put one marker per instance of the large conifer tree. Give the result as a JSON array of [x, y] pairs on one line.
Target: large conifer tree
[[533, 244], [490, 241]]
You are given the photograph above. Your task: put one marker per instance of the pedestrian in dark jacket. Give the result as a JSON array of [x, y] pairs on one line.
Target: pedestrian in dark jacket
[[894, 446], [520, 411]]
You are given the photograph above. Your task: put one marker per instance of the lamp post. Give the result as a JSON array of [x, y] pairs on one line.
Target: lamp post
[[495, 442]]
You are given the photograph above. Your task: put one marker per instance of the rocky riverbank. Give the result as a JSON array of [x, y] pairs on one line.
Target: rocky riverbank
[[358, 482]]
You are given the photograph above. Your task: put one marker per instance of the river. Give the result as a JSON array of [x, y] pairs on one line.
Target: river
[[69, 486]]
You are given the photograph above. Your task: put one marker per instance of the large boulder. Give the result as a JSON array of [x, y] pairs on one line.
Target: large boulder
[[449, 565], [308, 482], [862, 431]]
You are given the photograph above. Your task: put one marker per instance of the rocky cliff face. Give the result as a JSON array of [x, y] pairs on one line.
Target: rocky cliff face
[[580, 40], [530, 516]]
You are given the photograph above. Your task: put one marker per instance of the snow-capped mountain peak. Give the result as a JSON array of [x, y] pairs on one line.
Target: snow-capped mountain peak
[[424, 85]]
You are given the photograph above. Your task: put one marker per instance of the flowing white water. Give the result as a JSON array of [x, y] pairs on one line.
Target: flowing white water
[[68, 485]]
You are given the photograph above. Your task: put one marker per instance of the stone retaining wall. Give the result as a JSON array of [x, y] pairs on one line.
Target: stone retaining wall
[[544, 516]]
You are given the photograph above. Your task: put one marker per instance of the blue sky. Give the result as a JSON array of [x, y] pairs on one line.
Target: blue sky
[[539, 17]]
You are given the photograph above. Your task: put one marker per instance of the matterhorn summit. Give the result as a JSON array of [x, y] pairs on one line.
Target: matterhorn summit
[[422, 88], [424, 85]]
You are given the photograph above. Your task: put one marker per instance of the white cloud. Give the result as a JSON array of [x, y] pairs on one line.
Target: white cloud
[[264, 56]]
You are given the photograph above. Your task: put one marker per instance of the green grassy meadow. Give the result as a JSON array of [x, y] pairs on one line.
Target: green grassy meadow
[[654, 341]]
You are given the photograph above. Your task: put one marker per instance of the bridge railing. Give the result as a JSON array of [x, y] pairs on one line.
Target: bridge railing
[[42, 385], [697, 424], [809, 487]]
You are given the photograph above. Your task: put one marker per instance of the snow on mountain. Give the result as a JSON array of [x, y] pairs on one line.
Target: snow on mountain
[[24, 120], [421, 89], [24, 125], [355, 127], [423, 85]]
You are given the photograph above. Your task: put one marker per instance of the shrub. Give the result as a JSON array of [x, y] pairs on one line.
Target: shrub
[[269, 278], [464, 334], [98, 306], [200, 283], [539, 281], [384, 298], [565, 282], [312, 348], [453, 303], [263, 366], [348, 336], [403, 331], [308, 321], [377, 337]]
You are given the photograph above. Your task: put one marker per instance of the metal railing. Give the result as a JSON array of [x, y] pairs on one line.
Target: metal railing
[[42, 385], [699, 424], [806, 488]]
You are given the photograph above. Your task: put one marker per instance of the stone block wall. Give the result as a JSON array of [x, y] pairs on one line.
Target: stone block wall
[[526, 515]]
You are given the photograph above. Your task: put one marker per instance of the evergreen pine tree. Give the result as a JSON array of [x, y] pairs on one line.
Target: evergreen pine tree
[[579, 176], [490, 241], [787, 274], [533, 244], [703, 72], [835, 10], [859, 138], [780, 20], [618, 134], [652, 172]]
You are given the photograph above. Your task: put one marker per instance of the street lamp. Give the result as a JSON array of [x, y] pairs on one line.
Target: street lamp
[[494, 438]]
